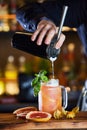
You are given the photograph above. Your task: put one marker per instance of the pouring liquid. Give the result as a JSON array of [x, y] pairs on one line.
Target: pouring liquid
[[52, 65], [52, 69]]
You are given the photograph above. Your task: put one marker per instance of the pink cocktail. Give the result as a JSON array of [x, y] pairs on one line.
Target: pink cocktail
[[50, 96]]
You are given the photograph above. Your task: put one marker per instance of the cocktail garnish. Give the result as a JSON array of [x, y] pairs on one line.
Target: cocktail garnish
[[36, 82], [68, 114]]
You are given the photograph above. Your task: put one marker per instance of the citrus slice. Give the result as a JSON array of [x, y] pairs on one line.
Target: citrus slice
[[38, 116], [22, 112]]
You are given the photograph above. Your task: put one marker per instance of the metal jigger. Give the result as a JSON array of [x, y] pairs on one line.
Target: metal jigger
[[51, 51]]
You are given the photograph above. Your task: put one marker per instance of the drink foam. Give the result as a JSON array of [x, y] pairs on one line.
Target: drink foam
[[53, 82]]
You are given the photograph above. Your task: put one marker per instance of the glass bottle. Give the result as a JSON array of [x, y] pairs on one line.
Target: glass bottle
[[4, 23], [11, 74]]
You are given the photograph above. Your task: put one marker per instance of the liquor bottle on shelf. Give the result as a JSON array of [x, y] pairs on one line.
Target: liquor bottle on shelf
[[2, 84], [4, 23], [13, 6], [22, 61], [11, 74], [13, 22], [24, 81]]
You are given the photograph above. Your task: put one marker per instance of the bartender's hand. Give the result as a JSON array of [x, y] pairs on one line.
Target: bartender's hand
[[47, 29]]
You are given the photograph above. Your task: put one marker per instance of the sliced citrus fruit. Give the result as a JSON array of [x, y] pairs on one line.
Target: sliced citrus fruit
[[22, 112], [38, 116]]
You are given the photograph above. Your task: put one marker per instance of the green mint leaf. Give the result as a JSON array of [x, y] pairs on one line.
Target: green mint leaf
[[36, 89], [36, 82], [44, 78], [43, 72]]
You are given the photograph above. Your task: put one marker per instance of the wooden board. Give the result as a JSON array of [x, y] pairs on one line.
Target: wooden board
[[9, 121]]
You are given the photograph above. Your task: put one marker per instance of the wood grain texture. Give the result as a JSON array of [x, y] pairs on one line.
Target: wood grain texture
[[9, 121]]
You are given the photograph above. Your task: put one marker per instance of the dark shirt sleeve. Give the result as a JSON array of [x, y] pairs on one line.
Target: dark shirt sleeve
[[82, 32], [30, 14]]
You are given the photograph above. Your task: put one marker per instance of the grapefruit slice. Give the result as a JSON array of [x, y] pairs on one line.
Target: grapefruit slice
[[22, 112], [38, 116]]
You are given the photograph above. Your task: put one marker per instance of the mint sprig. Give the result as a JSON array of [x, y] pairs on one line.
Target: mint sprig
[[36, 82]]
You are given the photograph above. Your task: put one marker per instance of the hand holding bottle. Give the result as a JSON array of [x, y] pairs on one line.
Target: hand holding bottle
[[53, 36], [46, 30]]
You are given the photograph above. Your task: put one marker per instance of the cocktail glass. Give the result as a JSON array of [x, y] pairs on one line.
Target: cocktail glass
[[52, 96]]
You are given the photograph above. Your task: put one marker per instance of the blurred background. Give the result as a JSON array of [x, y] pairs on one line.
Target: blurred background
[[17, 68]]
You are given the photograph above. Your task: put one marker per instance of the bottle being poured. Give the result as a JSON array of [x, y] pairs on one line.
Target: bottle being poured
[[22, 41], [51, 50]]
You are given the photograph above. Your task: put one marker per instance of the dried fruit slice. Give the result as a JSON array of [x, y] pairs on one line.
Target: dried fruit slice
[[38, 116], [22, 112]]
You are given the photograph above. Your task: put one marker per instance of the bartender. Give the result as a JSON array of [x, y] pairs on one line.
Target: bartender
[[43, 20]]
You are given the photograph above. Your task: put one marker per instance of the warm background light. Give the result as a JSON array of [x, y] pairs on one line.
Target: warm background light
[[71, 47]]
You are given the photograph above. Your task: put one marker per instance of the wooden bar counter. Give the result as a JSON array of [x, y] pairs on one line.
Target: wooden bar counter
[[8, 121]]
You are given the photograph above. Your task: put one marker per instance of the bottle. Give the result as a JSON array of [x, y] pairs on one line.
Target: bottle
[[11, 73], [22, 68], [4, 13], [10, 68], [24, 81], [2, 84], [13, 22], [13, 6], [42, 51], [22, 41]]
